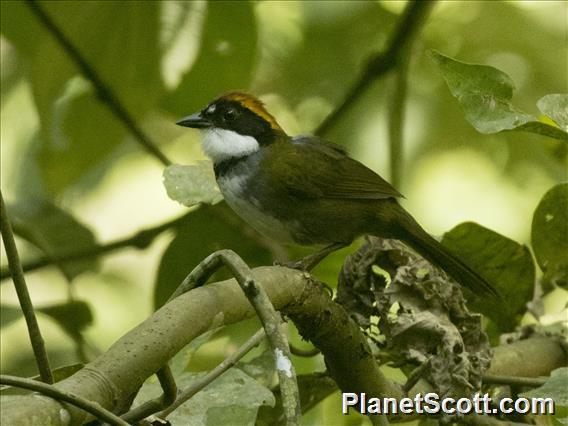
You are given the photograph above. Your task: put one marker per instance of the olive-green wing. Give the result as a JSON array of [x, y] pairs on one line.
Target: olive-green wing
[[309, 167]]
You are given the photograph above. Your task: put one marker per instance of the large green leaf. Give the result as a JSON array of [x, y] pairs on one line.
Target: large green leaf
[[83, 133], [549, 235], [73, 317], [9, 314], [179, 362], [53, 231], [556, 387], [503, 262], [232, 399], [209, 229], [120, 41], [226, 57], [485, 95]]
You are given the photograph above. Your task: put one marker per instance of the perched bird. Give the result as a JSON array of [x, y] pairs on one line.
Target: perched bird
[[305, 190]]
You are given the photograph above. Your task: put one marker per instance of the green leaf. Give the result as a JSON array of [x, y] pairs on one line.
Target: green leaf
[[120, 40], [262, 368], [73, 317], [180, 361], [78, 138], [501, 261], [555, 388], [555, 106], [9, 314], [226, 57], [53, 231], [190, 185], [549, 235], [209, 229], [485, 95], [232, 399]]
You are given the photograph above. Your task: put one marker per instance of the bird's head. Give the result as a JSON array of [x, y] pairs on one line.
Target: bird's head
[[233, 126]]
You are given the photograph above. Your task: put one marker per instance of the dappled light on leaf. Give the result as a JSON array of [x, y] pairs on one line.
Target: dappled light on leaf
[[232, 399], [485, 95], [190, 185]]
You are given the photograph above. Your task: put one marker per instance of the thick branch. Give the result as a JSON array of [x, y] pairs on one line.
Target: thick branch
[[51, 391], [347, 356], [115, 375], [104, 92], [533, 357], [38, 344]]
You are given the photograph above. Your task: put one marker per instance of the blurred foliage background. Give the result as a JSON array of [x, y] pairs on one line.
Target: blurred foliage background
[[75, 178]]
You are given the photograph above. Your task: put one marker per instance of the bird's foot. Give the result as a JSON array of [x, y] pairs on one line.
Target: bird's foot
[[300, 264], [311, 261]]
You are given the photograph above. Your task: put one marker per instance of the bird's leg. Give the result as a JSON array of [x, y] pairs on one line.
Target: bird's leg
[[309, 262]]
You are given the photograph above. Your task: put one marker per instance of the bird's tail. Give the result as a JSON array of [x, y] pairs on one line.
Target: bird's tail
[[417, 238]]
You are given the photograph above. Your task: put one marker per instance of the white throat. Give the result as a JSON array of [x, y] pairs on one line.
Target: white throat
[[221, 144]]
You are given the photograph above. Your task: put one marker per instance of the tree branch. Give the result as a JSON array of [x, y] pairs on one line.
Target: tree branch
[[408, 26], [533, 357], [114, 376], [268, 316], [140, 240], [271, 322], [104, 92], [397, 116], [513, 380], [55, 393], [38, 344]]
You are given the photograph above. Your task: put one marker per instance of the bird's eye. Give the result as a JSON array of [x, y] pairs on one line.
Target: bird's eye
[[230, 114]]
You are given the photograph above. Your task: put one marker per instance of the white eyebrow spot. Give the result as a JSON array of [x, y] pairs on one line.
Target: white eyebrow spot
[[211, 109]]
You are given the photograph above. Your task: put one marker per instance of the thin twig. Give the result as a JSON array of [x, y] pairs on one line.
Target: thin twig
[[408, 26], [483, 420], [513, 380], [26, 304], [49, 390], [397, 116], [104, 92], [416, 375], [227, 363], [141, 239]]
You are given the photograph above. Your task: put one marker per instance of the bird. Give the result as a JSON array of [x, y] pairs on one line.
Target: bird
[[305, 190]]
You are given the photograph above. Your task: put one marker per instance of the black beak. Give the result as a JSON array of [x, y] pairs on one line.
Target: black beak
[[196, 121]]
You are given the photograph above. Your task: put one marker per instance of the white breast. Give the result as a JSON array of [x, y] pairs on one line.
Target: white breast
[[221, 144], [248, 208]]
